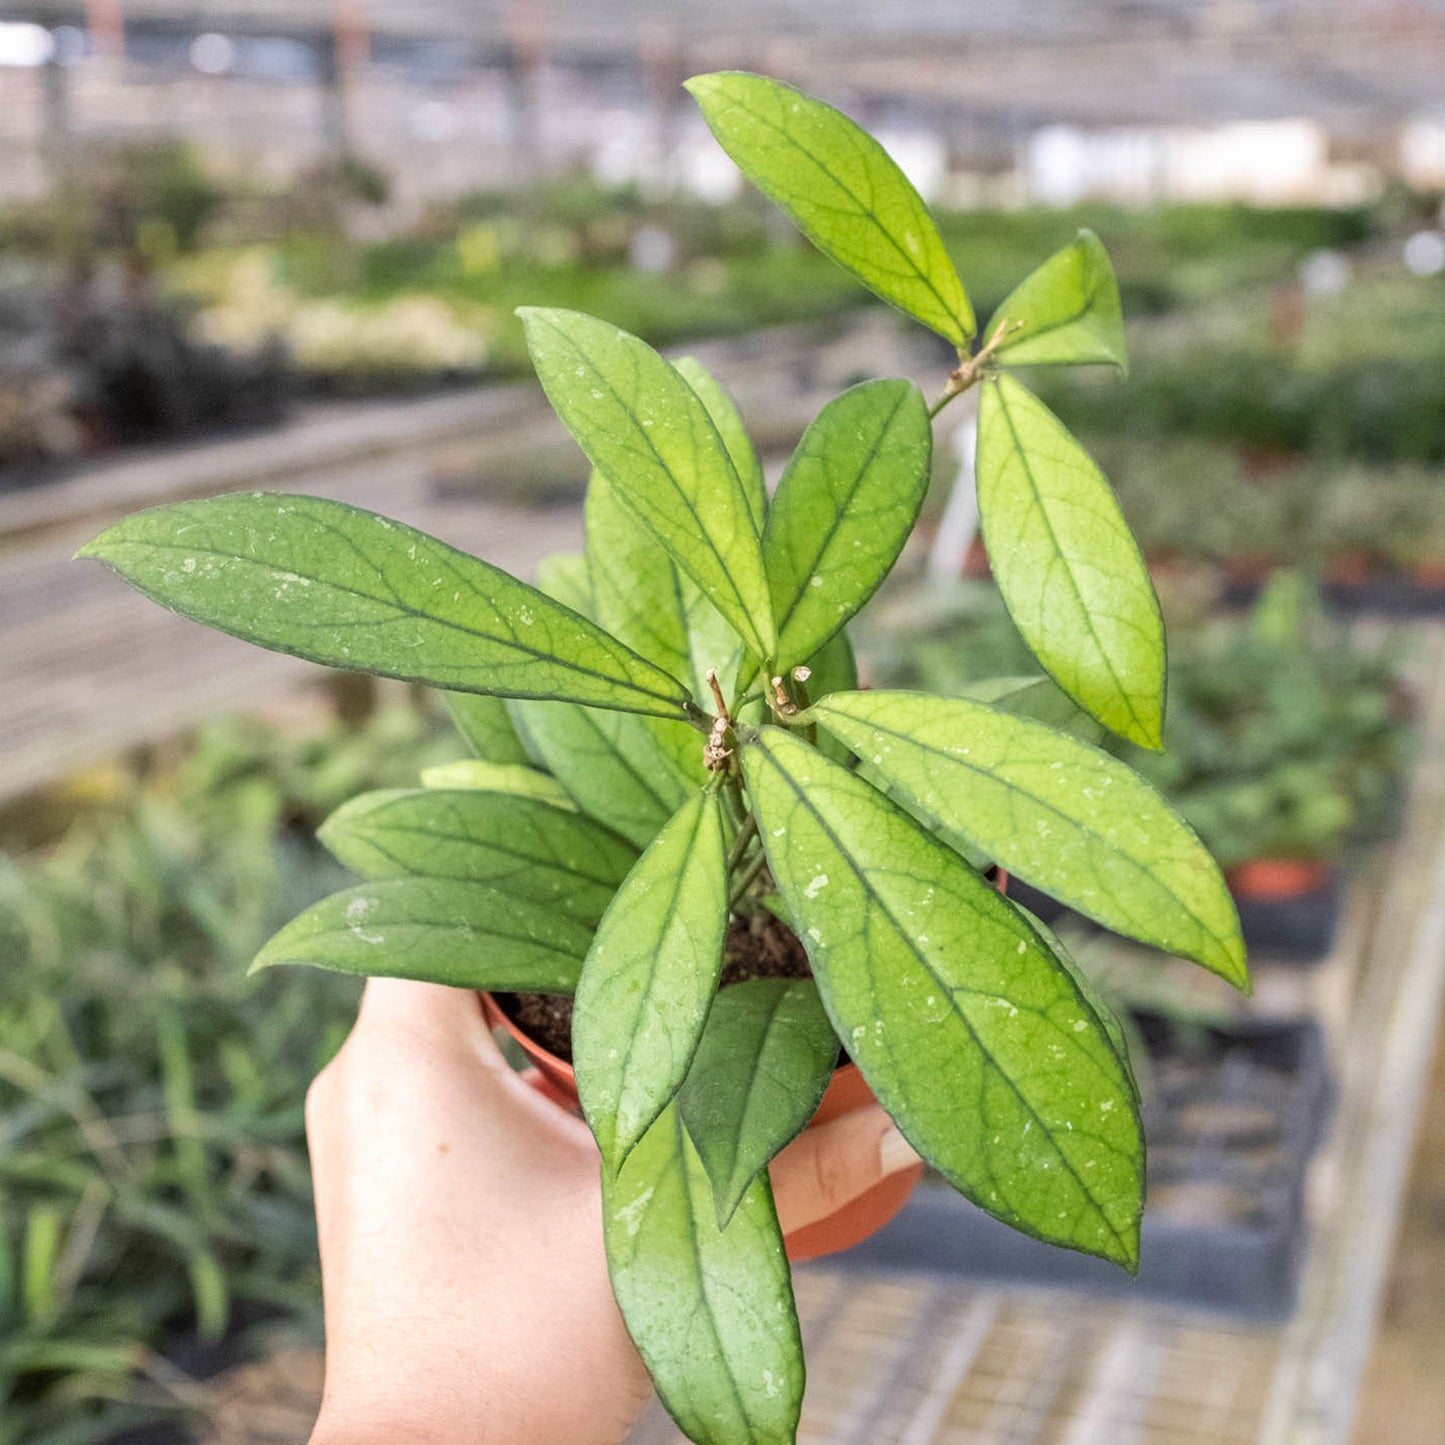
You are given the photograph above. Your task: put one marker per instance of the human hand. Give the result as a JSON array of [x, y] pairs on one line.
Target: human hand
[[460, 1220]]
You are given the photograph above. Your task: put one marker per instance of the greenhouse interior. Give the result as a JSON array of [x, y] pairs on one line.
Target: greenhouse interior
[[722, 723]]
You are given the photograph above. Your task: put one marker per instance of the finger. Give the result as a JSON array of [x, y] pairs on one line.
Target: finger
[[825, 1168]]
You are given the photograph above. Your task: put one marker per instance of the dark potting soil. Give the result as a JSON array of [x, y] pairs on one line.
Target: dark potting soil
[[759, 945]]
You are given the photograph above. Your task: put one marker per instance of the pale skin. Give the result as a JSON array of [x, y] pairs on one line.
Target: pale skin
[[465, 1287]]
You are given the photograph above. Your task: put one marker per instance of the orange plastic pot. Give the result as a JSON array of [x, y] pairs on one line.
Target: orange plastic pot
[[845, 1093], [1276, 877]]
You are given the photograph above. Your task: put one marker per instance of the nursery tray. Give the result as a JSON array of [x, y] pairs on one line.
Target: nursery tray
[[1232, 1118]]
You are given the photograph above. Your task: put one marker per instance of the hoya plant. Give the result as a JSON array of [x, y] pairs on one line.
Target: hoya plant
[[678, 782]]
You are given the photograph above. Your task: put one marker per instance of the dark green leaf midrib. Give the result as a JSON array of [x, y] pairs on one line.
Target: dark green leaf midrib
[[1067, 565], [948, 989], [416, 615], [865, 208], [1043, 803]]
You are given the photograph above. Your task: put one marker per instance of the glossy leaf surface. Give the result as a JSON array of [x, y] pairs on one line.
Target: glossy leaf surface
[[518, 844], [711, 1310], [609, 764], [844, 509], [973, 1037], [1066, 311], [1067, 565], [648, 432], [842, 189], [1062, 815], [467, 935], [759, 1073], [650, 977], [345, 587]]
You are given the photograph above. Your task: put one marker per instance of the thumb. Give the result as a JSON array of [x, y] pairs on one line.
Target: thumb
[[825, 1168]]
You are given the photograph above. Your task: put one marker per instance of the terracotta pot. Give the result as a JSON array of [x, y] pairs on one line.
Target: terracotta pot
[[846, 1092], [1429, 573], [975, 561], [1276, 877], [1348, 569], [1246, 568]]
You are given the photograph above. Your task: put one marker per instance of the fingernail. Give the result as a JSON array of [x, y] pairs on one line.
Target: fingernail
[[895, 1153]]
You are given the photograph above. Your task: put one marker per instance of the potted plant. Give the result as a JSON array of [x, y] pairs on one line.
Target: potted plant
[[682, 757]]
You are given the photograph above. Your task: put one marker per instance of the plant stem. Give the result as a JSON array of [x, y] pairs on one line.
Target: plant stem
[[970, 369], [746, 879], [746, 833]]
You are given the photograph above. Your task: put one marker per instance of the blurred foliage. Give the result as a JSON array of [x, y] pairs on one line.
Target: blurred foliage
[[1285, 736], [155, 1214]]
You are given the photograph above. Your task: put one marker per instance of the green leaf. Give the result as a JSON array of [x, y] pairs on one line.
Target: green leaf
[[972, 1035], [833, 668], [724, 413], [650, 977], [637, 589], [1066, 311], [844, 509], [710, 1310], [1114, 1028], [843, 191], [644, 427], [759, 1074], [513, 778], [347, 588], [1067, 565], [563, 576], [485, 727], [609, 764], [532, 849], [1064, 816], [1039, 698], [467, 935]]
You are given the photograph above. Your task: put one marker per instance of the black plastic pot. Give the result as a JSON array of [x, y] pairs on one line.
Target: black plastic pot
[[1232, 1115], [1296, 929]]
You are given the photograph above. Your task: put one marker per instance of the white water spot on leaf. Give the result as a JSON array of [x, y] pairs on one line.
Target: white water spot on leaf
[[770, 1384], [818, 884], [358, 909], [630, 1215], [815, 580], [1080, 1025], [189, 565]]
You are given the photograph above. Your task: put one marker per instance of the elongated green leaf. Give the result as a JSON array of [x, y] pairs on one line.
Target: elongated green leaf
[[1103, 1010], [608, 763], [1060, 814], [758, 1076], [1067, 565], [485, 727], [973, 1037], [833, 668], [844, 509], [637, 588], [724, 413], [1039, 698], [345, 587], [843, 191], [1066, 311], [468, 935], [532, 849], [649, 433], [512, 778], [650, 978], [564, 577], [710, 1310]]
